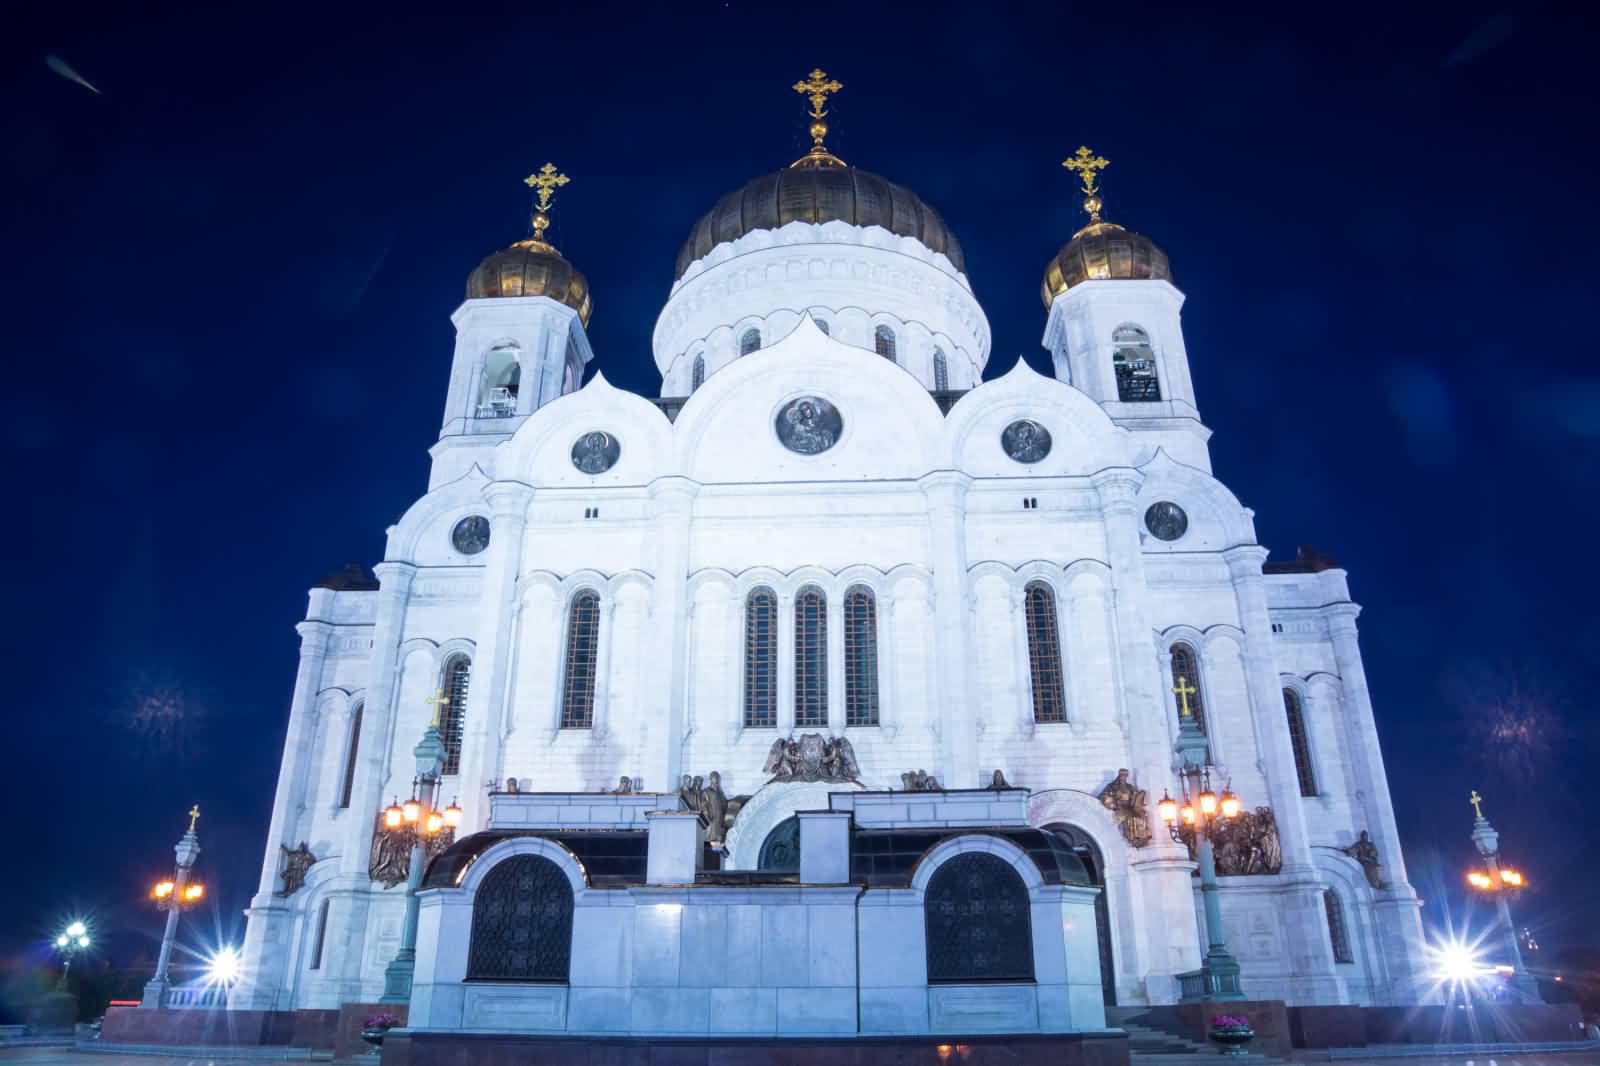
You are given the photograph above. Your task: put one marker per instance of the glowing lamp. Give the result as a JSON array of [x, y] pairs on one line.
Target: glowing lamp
[[162, 890], [192, 893], [1512, 878], [77, 929], [1230, 804], [435, 822], [1208, 803], [1479, 880], [412, 810], [1168, 808], [1188, 814], [61, 941], [393, 815], [83, 941], [452, 815]]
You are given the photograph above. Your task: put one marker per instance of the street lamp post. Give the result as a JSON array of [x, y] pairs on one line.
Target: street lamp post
[[1500, 882], [73, 939], [174, 896], [1202, 813], [419, 817]]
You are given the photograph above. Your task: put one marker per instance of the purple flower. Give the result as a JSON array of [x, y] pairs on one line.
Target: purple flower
[[1230, 1021], [381, 1021]]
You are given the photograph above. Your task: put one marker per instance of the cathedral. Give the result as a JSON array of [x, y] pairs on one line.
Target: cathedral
[[835, 689]]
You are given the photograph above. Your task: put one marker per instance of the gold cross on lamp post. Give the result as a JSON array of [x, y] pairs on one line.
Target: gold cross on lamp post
[[1476, 801], [438, 701], [545, 182], [1085, 164], [194, 816], [1183, 690]]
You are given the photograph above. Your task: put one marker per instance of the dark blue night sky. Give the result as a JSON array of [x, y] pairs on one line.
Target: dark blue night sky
[[226, 324]]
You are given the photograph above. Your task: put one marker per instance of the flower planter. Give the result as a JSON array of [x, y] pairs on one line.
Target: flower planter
[[1233, 1038]]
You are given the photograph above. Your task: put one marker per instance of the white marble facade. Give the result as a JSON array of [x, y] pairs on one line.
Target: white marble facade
[[924, 509]]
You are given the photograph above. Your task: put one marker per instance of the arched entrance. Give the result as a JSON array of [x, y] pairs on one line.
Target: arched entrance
[[1084, 847], [780, 852]]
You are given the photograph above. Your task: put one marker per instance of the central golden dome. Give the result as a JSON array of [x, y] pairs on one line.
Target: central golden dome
[[820, 193]]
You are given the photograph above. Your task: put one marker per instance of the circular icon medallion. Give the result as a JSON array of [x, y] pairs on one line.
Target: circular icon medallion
[[471, 535], [809, 425], [1025, 441], [595, 452], [1166, 520]]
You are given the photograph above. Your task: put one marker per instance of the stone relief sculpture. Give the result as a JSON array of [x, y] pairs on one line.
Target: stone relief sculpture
[[1025, 441], [296, 864], [809, 425], [624, 786], [812, 757], [998, 781], [1365, 852], [595, 452], [389, 861], [1129, 805], [1245, 844], [920, 781]]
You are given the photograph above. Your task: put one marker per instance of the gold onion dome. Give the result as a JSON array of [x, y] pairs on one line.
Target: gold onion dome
[[1101, 251], [819, 187], [533, 267]]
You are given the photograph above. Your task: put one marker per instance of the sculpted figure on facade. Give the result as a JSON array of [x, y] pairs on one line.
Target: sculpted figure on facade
[[1129, 805], [624, 786], [998, 781], [389, 861], [812, 757], [919, 781], [1365, 852], [1243, 845], [296, 864]]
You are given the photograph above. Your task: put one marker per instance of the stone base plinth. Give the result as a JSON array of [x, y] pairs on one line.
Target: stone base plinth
[[450, 1049], [198, 1027]]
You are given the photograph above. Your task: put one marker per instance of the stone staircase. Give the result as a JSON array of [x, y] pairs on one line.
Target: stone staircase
[[1151, 1045]]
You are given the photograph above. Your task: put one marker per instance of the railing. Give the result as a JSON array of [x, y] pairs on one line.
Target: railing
[[495, 410], [211, 995], [1200, 984]]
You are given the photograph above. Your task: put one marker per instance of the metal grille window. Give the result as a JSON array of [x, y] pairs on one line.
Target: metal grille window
[[351, 750], [761, 660], [1338, 935], [941, 371], [522, 923], [781, 850], [697, 375], [977, 922], [1044, 654], [1299, 742], [320, 936], [751, 341], [1186, 674], [1135, 366], [810, 657], [583, 648], [860, 657], [883, 341], [453, 716]]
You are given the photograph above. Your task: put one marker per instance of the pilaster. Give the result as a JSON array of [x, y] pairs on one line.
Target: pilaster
[[673, 507], [946, 493]]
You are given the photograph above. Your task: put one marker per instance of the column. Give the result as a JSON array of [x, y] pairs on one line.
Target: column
[[673, 498], [946, 493], [1311, 955], [269, 918], [488, 714]]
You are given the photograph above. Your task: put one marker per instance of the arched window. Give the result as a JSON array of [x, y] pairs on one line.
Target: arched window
[[583, 652], [522, 923], [1299, 742], [320, 936], [761, 660], [822, 324], [977, 922], [350, 752], [1186, 674], [883, 341], [502, 377], [751, 341], [810, 657], [860, 657], [697, 375], [1044, 654], [1338, 935], [941, 371], [453, 715], [1135, 365], [781, 850]]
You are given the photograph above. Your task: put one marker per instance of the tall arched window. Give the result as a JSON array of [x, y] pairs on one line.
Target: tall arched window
[[1044, 654], [697, 374], [761, 659], [350, 752], [883, 341], [1299, 742], [810, 657], [976, 915], [1135, 365], [860, 657], [941, 371], [750, 342], [583, 652], [502, 377], [1338, 935], [1186, 674], [453, 716], [822, 324], [522, 923], [319, 936]]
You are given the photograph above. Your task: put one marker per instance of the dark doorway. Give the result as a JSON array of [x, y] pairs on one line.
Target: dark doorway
[[780, 852], [1084, 847]]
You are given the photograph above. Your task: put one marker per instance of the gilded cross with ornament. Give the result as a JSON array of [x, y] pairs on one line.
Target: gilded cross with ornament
[[1085, 164], [194, 816], [545, 183], [1183, 690], [438, 701], [817, 87], [1477, 803]]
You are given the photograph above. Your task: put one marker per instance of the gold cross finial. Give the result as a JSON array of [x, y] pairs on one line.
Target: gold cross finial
[[438, 701], [1477, 803], [545, 183], [817, 87], [1085, 164], [194, 816], [1183, 690]]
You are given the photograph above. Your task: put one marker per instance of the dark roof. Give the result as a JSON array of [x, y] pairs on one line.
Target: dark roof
[[611, 858], [353, 578], [886, 858], [1307, 560]]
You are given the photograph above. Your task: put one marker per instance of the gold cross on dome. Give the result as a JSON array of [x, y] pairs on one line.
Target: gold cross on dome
[[1085, 163], [545, 183], [1183, 690], [1477, 803], [817, 87], [438, 701], [194, 816]]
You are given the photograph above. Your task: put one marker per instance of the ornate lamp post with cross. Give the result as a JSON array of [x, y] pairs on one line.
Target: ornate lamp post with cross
[[174, 896], [421, 819], [1500, 882], [1202, 814]]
